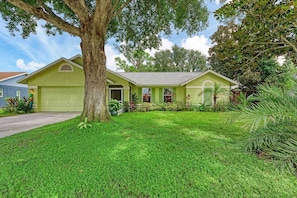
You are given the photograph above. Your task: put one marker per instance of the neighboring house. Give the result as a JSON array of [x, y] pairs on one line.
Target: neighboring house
[[59, 86], [9, 88]]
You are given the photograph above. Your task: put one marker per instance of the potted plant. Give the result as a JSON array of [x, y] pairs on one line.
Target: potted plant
[[114, 105]]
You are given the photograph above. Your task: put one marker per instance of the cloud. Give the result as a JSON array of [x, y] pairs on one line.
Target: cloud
[[37, 48], [199, 43], [166, 44], [53, 47], [111, 54], [31, 66], [219, 1]]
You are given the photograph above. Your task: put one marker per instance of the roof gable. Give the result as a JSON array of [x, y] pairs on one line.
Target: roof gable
[[24, 80], [232, 82]]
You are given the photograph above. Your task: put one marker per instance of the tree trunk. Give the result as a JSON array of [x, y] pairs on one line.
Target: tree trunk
[[215, 102], [94, 63]]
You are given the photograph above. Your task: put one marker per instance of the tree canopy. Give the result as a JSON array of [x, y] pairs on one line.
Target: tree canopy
[[140, 61], [255, 32], [137, 22], [177, 59], [265, 27]]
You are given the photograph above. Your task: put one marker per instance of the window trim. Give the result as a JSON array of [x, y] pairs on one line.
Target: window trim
[[171, 95], [115, 88], [61, 68], [18, 94], [149, 94]]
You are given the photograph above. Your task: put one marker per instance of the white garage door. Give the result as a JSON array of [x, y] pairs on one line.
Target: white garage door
[[62, 98]]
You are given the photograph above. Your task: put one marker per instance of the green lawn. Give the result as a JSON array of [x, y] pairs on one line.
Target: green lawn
[[6, 113], [152, 154]]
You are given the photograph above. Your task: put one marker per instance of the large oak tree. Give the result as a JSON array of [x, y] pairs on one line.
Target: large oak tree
[[139, 22]]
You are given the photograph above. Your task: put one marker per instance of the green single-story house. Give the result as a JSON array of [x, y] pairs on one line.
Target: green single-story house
[[59, 86]]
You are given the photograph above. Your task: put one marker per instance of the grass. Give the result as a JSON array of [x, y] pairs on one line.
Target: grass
[[6, 113], [153, 154]]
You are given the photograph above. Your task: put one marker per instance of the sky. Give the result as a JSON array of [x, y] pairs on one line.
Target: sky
[[39, 50]]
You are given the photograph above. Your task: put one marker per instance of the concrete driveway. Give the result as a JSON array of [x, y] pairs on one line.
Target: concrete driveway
[[19, 123]]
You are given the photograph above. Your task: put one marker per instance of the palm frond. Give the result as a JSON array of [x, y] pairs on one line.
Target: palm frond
[[285, 154], [272, 105], [265, 138], [272, 121]]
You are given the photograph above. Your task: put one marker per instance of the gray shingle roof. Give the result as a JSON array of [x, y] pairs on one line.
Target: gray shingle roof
[[160, 78]]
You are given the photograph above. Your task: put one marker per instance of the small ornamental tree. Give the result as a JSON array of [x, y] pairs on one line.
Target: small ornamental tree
[[137, 22]]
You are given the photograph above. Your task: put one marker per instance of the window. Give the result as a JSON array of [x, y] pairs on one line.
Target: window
[[168, 94], [18, 94], [146, 94], [116, 92], [1, 92], [66, 68]]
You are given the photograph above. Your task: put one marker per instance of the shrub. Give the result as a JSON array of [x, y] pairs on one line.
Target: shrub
[[18, 105], [204, 108], [126, 106], [222, 107], [114, 105], [146, 106]]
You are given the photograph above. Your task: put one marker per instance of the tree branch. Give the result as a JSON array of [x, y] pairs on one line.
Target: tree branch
[[79, 8], [263, 51], [266, 43], [103, 12], [289, 43], [117, 12], [46, 14]]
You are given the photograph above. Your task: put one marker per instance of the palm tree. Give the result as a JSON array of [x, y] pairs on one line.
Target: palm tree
[[272, 121], [215, 91]]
